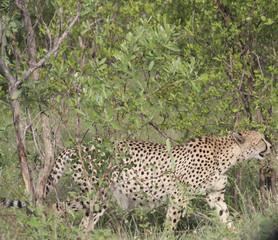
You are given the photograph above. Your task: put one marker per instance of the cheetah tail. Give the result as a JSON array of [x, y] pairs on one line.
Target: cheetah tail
[[58, 169], [6, 202]]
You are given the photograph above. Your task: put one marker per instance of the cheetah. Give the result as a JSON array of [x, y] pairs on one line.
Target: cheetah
[[157, 174]]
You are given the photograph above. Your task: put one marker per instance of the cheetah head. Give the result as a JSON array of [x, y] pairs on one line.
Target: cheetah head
[[252, 144]]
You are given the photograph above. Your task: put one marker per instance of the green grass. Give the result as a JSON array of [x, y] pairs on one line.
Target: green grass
[[116, 224]]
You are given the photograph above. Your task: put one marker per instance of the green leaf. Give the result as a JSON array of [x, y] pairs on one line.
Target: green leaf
[[34, 223], [173, 163], [173, 48], [235, 110], [196, 86], [116, 125], [269, 21], [96, 207], [168, 146], [80, 112], [102, 61], [71, 214], [151, 65], [16, 94]]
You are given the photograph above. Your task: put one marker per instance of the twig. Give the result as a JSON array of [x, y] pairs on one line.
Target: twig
[[165, 85], [31, 121], [53, 50], [34, 133], [84, 135], [212, 51], [11, 187], [67, 129], [260, 67], [160, 131]]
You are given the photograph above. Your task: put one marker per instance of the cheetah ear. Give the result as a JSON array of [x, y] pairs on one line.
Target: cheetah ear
[[238, 137]]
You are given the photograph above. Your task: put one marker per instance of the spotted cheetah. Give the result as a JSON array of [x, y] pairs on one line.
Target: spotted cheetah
[[157, 173]]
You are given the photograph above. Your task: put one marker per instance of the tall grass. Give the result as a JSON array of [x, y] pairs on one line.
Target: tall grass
[[256, 222]]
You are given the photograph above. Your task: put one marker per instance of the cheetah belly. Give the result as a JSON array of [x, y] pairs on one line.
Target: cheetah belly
[[129, 198], [124, 201]]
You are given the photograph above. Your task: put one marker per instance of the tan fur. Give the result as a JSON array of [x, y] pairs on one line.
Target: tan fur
[[157, 175]]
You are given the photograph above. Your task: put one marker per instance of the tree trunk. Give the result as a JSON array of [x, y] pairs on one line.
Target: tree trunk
[[15, 103], [14, 94], [47, 133], [263, 184], [21, 149], [21, 146], [48, 160]]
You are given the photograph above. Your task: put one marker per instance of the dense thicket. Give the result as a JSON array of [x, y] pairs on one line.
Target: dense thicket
[[134, 69]]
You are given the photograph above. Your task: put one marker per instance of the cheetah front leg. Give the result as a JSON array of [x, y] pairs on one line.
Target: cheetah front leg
[[215, 199], [177, 203], [89, 225], [75, 205], [78, 205]]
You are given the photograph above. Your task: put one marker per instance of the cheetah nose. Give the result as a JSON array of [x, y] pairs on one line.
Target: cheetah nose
[[269, 147]]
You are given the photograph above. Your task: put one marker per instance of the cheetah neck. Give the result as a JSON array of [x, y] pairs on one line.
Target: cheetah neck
[[227, 153]]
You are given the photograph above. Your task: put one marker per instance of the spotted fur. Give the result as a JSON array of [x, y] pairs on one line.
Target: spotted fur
[[157, 174]]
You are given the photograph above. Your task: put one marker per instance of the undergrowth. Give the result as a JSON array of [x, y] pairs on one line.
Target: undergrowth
[[116, 224]]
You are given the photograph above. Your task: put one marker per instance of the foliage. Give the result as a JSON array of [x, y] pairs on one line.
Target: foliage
[[188, 67]]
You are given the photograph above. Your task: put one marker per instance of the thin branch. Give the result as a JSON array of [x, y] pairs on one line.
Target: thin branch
[[259, 63], [165, 85], [0, 26], [212, 51], [53, 50], [5, 103], [67, 129], [5, 71], [33, 129], [12, 188], [31, 122], [241, 79], [161, 132], [48, 34], [158, 129]]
